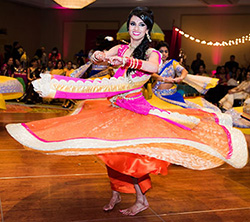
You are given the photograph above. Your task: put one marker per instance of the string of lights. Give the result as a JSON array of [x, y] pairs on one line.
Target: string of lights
[[233, 42]]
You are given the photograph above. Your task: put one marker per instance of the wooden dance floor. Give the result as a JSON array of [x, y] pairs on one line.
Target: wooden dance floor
[[35, 187]]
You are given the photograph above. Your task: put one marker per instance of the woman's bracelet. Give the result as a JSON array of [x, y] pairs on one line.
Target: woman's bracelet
[[131, 63]]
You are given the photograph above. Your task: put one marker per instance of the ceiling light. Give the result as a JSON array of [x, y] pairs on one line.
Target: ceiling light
[[74, 4]]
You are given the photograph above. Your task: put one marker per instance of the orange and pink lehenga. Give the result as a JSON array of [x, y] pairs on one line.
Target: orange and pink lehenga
[[131, 136]]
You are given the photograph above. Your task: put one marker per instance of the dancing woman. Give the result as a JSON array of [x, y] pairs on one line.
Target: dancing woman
[[170, 73], [131, 136]]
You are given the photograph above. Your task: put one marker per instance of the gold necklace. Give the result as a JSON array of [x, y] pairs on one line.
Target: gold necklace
[[132, 47]]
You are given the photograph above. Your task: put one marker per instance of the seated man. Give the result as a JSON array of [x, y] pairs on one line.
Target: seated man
[[242, 91]]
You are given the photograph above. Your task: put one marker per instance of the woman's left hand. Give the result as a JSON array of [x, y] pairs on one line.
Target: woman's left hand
[[178, 79], [115, 60]]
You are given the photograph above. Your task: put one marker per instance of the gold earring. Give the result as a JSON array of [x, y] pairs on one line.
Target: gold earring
[[149, 39]]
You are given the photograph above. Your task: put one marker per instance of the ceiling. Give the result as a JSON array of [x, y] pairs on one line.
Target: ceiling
[[134, 3]]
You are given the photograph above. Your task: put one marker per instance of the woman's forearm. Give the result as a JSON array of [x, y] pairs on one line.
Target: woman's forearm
[[184, 74]]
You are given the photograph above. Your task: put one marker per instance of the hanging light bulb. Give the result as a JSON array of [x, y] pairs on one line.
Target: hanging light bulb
[[74, 4], [234, 42]]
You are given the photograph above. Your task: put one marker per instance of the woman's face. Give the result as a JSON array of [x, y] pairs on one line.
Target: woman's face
[[59, 65], [35, 63], [137, 28], [248, 76], [10, 61], [69, 65], [201, 69], [222, 70], [50, 64], [164, 53]]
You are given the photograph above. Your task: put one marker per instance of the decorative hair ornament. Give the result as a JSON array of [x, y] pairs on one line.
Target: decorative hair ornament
[[109, 38], [142, 17], [149, 39]]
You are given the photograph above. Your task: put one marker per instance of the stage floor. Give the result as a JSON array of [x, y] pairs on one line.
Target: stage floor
[[37, 187]]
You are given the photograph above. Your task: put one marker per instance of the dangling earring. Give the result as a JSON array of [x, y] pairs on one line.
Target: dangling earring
[[149, 39]]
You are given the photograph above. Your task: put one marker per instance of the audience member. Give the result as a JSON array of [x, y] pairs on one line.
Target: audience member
[[69, 68], [23, 57], [222, 75], [44, 57], [242, 91], [197, 63], [33, 73], [215, 94], [79, 61], [54, 55], [59, 68], [231, 65], [233, 80], [8, 68], [240, 74], [202, 71], [38, 54], [18, 66], [80, 58], [50, 67], [15, 52]]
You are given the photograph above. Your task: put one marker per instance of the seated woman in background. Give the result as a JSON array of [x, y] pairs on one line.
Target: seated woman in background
[[50, 67], [8, 68], [233, 80], [241, 91], [59, 68], [69, 68], [202, 71], [222, 75], [33, 73], [19, 67], [217, 93], [54, 55]]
